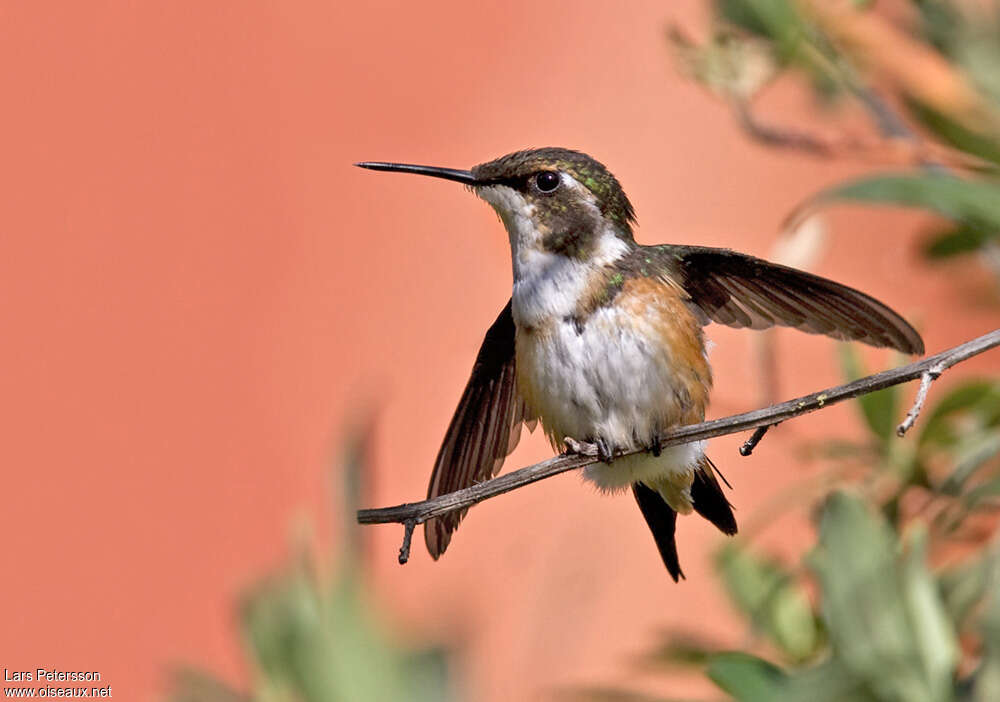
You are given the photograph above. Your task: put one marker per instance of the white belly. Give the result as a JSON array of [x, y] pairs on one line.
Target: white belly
[[609, 379]]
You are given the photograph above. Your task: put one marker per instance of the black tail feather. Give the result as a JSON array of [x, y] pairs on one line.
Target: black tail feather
[[709, 501], [662, 520]]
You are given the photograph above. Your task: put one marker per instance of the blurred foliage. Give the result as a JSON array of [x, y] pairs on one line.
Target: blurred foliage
[[314, 639], [864, 617], [927, 72], [898, 599]]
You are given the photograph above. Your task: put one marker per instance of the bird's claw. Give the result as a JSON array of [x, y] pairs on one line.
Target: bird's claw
[[574, 447], [654, 447], [604, 451]]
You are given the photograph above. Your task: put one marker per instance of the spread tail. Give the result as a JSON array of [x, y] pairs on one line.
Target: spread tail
[[707, 499], [662, 520]]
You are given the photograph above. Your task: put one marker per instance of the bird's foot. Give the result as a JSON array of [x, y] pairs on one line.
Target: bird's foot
[[604, 451], [574, 447], [654, 446]]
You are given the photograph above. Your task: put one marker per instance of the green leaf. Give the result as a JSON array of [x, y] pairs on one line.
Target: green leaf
[[829, 681], [879, 409], [855, 563], [775, 602], [316, 644], [745, 677], [987, 678], [941, 23], [283, 620], [962, 239], [882, 612], [956, 134], [986, 491], [775, 19], [963, 587], [426, 674], [961, 200], [977, 51], [970, 453], [314, 640], [977, 398], [934, 635], [682, 648], [795, 40]]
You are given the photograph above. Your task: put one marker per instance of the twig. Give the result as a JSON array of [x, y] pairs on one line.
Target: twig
[[750, 444], [928, 377], [771, 135], [893, 142], [889, 123], [404, 550], [415, 513], [892, 126]]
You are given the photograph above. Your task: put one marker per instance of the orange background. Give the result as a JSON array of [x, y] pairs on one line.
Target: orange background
[[199, 291]]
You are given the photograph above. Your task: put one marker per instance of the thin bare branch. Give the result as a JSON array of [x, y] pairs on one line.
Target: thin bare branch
[[586, 454], [928, 377], [404, 551], [889, 123], [892, 147], [782, 137], [750, 444]]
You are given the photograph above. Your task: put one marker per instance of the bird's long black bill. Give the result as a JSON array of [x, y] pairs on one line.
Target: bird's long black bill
[[465, 177]]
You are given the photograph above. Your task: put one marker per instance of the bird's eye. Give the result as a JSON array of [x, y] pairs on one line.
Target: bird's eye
[[547, 181]]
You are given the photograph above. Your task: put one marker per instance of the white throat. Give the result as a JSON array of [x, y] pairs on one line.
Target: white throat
[[546, 285]]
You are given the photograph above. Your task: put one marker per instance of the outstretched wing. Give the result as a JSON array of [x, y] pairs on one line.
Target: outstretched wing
[[742, 291], [485, 428]]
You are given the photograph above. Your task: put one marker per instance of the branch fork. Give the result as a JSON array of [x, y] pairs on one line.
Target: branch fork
[[926, 378]]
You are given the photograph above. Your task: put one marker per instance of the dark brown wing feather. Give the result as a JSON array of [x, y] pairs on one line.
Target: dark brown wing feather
[[485, 428], [742, 291]]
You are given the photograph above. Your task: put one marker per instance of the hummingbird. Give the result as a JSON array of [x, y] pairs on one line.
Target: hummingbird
[[602, 339]]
